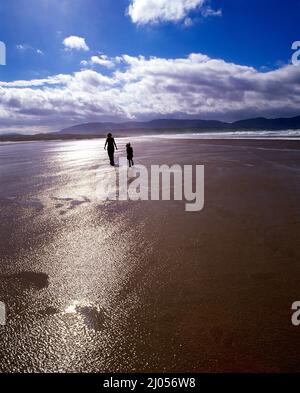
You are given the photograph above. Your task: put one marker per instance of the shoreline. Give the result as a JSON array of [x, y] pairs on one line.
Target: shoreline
[[293, 144], [164, 133]]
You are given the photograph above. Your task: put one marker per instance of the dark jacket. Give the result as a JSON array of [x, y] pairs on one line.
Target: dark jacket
[[129, 152]]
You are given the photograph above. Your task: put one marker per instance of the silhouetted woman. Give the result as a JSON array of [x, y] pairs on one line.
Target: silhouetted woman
[[111, 145]]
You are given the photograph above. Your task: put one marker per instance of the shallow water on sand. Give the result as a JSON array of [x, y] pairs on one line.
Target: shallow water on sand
[[146, 286]]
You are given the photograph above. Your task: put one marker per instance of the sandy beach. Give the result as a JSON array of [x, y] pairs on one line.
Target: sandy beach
[[146, 286]]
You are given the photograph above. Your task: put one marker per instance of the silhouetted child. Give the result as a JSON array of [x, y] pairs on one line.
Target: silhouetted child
[[129, 154]]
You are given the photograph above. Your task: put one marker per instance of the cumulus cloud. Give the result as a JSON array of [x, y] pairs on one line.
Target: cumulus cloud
[[142, 88], [153, 11], [101, 60], [75, 43]]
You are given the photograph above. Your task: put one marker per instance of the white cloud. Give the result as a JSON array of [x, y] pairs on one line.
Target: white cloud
[[143, 88], [208, 11], [54, 80], [188, 22], [26, 47], [75, 43], [21, 47], [101, 60], [153, 11]]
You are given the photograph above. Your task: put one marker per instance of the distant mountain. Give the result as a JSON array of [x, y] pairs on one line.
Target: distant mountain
[[262, 123], [95, 128], [258, 124], [9, 134], [159, 126]]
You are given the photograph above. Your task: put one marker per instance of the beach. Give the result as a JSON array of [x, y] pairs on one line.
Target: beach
[[145, 286]]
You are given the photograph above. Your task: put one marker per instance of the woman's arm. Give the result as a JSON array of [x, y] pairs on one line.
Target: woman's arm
[[105, 144], [115, 144]]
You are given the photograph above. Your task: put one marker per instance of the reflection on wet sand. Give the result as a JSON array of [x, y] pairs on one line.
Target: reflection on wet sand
[[145, 286]]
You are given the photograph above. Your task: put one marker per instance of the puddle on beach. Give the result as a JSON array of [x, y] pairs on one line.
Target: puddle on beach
[[92, 316]]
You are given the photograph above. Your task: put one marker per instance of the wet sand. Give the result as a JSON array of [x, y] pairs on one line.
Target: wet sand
[[145, 286]]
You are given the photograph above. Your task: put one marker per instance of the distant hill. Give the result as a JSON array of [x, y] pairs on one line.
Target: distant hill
[[94, 128], [159, 126], [262, 123], [258, 124], [9, 134]]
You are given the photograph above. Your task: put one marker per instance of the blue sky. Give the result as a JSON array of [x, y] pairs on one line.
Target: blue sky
[[257, 34]]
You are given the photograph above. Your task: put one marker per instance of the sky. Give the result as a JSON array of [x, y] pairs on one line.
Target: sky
[[76, 61]]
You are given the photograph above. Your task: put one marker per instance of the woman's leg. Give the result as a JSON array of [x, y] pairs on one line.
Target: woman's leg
[[111, 157]]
